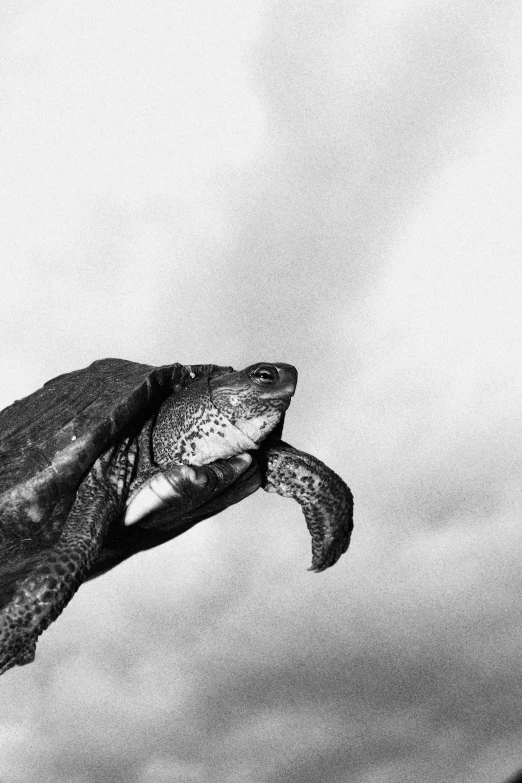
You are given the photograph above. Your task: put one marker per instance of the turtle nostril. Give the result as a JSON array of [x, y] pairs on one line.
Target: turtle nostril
[[265, 374]]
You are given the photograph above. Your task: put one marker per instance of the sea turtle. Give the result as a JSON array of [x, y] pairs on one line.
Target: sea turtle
[[119, 457]]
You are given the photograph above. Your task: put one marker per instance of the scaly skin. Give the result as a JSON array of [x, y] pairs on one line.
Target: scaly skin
[[189, 429], [84, 549], [326, 501], [42, 595], [220, 417], [210, 420]]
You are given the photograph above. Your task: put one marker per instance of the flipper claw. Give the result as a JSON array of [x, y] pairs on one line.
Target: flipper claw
[[326, 501]]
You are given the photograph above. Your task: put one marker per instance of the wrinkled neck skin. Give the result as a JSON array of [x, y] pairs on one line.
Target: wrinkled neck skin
[[191, 428], [253, 410]]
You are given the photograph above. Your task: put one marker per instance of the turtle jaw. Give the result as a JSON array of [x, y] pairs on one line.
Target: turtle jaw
[[254, 400]]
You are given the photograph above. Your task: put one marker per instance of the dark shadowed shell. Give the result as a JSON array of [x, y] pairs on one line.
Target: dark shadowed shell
[[67, 459], [50, 440]]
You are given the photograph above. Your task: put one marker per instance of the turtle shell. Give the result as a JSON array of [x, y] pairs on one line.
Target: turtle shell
[[50, 440]]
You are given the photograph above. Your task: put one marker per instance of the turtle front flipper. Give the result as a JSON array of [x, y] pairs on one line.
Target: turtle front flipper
[[57, 572], [326, 501]]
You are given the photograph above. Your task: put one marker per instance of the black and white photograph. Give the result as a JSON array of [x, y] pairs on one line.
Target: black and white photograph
[[261, 399]]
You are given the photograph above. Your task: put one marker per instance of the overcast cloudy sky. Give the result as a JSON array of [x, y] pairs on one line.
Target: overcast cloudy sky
[[331, 184]]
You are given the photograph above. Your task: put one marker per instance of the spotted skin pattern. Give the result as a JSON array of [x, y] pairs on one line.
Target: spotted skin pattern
[[60, 506], [326, 501], [242, 405], [184, 422], [42, 595], [200, 425]]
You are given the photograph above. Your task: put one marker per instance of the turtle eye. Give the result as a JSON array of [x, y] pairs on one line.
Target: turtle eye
[[264, 374]]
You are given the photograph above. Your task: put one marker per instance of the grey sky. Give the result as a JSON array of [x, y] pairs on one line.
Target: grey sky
[[337, 187]]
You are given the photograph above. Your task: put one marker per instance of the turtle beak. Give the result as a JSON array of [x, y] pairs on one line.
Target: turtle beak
[[287, 378]]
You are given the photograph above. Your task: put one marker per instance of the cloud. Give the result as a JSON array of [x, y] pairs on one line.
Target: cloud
[[364, 105]]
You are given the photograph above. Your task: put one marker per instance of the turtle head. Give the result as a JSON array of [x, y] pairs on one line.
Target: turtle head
[[254, 399], [217, 418]]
